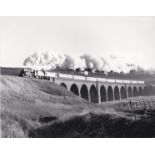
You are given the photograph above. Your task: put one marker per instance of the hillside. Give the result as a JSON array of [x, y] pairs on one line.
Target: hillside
[[38, 108], [35, 102]]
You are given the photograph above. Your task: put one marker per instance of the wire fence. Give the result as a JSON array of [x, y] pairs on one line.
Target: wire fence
[[136, 107]]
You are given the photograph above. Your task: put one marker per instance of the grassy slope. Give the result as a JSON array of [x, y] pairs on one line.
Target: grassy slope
[[38, 108], [28, 104]]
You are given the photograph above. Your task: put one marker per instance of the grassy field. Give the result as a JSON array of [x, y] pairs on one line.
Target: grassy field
[[38, 108]]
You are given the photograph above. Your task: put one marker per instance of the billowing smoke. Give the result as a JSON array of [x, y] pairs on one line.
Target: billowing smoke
[[97, 63], [49, 61], [68, 63], [52, 60]]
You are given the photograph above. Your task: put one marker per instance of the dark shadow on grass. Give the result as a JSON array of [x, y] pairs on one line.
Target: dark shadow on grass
[[47, 119], [98, 126]]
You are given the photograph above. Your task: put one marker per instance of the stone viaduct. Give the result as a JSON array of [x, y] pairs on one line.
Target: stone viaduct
[[97, 91]]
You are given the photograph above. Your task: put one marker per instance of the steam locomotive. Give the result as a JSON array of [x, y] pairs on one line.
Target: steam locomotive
[[39, 74]]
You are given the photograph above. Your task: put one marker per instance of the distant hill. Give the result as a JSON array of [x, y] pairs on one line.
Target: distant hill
[[12, 71]]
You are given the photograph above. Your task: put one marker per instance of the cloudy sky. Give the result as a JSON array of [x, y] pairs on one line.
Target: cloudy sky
[[131, 39]]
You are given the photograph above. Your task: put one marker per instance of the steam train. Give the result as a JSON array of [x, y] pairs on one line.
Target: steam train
[[42, 74]]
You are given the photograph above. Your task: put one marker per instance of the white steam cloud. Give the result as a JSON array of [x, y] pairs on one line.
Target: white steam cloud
[[51, 60]]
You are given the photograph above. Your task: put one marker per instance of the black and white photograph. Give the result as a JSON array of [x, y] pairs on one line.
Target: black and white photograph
[[77, 76]]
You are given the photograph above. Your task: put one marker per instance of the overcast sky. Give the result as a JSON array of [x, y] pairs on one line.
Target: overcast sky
[[129, 38]]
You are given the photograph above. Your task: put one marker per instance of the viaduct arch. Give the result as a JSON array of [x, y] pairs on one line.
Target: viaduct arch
[[63, 85], [123, 93], [84, 92], [140, 91], [145, 91], [135, 91], [103, 94], [116, 93], [93, 94], [110, 93], [130, 94], [100, 92], [74, 89]]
